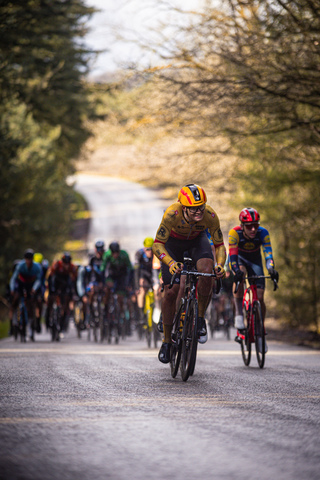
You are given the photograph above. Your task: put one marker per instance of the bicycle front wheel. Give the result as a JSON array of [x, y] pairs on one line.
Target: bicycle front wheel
[[176, 335], [189, 341], [259, 334], [245, 341]]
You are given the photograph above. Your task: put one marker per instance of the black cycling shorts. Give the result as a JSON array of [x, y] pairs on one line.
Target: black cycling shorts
[[253, 268], [196, 249]]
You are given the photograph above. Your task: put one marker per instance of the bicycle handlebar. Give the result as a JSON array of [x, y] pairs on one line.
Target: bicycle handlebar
[[275, 283], [192, 272]]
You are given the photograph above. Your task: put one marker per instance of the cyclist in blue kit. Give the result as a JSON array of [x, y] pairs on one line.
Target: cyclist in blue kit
[[245, 242]]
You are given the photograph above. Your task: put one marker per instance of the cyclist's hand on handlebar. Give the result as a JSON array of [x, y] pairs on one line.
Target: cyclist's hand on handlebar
[[175, 267], [219, 271], [273, 274], [238, 276]]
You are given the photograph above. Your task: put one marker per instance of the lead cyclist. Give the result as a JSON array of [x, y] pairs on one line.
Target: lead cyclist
[[183, 229]]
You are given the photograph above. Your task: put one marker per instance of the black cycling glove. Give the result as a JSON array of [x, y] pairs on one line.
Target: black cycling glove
[[238, 276], [273, 274]]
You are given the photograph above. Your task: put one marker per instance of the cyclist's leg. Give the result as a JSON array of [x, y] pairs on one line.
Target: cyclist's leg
[[107, 291], [256, 268], [201, 253], [50, 300], [237, 298], [176, 249], [38, 309], [141, 296], [169, 301], [204, 265], [260, 293]]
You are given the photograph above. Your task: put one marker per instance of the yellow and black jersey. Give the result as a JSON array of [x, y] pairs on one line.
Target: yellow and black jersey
[[174, 224]]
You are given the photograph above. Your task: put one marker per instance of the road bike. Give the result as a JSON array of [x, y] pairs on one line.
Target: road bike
[[112, 318], [254, 331], [150, 326], [220, 314], [24, 315], [79, 316], [125, 318], [185, 325], [96, 323], [55, 319]]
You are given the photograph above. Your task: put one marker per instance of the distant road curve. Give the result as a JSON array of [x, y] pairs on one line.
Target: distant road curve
[[120, 210]]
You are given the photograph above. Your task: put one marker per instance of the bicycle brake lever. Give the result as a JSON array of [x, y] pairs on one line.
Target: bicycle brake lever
[[275, 285], [172, 280]]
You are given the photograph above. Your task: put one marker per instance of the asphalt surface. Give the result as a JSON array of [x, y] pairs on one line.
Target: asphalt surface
[[120, 210], [81, 410]]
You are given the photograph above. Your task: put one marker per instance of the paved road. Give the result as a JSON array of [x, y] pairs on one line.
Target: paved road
[[80, 410], [122, 211]]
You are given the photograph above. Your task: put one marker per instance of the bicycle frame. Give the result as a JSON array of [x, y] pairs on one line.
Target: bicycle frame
[[148, 307], [255, 330], [184, 347]]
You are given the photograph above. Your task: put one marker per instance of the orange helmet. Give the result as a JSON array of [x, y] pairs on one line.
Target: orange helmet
[[192, 195]]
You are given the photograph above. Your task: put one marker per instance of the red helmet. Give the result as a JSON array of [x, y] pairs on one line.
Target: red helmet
[[249, 215]]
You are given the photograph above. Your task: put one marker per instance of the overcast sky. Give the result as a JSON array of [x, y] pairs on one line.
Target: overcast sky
[[125, 18]]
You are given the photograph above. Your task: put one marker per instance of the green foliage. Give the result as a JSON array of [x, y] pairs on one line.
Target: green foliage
[[250, 70], [4, 328], [43, 107]]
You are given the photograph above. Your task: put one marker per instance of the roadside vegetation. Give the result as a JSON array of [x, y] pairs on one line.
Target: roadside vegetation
[[234, 105], [44, 103]]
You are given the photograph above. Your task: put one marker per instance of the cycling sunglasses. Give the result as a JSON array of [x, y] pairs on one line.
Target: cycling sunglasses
[[195, 209]]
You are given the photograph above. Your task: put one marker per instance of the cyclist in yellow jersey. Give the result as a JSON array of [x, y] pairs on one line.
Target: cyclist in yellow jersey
[[183, 229]]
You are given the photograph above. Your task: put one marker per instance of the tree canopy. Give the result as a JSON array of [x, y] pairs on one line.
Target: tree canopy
[[248, 70], [43, 106]]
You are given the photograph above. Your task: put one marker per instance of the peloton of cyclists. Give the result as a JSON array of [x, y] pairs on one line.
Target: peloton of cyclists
[[25, 281], [183, 229], [245, 242]]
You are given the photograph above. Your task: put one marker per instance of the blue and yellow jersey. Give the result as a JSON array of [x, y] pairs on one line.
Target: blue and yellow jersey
[[249, 249]]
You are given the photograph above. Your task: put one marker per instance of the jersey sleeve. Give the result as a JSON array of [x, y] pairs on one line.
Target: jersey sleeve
[[37, 283], [105, 260], [216, 236], [266, 247], [163, 234], [233, 240], [14, 277]]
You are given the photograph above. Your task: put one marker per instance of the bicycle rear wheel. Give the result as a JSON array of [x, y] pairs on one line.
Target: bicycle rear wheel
[[23, 325], [175, 355], [55, 326], [189, 341], [259, 335], [245, 342]]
